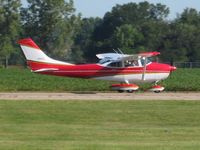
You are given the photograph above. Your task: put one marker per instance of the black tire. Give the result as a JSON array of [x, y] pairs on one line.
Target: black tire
[[120, 91], [130, 91], [157, 91]]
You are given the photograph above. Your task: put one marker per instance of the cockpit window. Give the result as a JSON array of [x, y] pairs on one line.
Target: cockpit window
[[103, 61], [115, 64], [129, 63], [125, 63]]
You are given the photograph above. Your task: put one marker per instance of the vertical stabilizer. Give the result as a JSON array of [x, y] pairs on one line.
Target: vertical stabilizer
[[35, 55]]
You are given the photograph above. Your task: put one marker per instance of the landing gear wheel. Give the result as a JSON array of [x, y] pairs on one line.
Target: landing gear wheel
[[120, 91], [157, 89], [130, 91], [124, 87]]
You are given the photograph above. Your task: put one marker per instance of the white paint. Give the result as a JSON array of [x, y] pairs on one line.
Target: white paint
[[135, 78], [45, 69]]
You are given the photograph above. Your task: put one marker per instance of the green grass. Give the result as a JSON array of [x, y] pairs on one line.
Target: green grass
[[99, 125], [24, 80], [183, 80]]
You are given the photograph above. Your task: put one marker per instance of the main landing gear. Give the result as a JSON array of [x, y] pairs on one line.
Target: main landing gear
[[130, 88]]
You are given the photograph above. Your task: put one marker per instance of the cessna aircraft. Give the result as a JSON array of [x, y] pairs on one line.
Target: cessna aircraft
[[126, 69]]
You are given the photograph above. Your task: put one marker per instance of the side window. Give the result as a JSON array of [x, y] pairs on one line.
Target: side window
[[103, 61], [115, 64]]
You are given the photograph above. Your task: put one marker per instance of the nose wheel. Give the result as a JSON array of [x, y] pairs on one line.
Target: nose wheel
[[157, 89]]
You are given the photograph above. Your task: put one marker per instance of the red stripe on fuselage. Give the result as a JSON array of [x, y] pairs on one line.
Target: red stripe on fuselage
[[93, 70]]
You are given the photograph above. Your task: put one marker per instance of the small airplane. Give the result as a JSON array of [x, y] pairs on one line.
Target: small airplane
[[126, 69]]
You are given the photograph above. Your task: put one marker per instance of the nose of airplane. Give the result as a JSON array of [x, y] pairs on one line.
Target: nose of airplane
[[172, 68]]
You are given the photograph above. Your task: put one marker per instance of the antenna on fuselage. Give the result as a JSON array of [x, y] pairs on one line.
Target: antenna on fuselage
[[120, 51], [115, 51]]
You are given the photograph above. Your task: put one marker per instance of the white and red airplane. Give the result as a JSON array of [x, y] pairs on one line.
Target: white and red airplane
[[119, 67]]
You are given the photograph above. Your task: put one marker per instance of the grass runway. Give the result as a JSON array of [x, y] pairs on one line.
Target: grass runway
[[99, 125]]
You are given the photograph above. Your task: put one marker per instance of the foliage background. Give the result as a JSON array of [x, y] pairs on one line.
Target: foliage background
[[132, 27]]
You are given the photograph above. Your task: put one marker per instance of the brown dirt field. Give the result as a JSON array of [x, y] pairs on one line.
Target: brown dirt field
[[100, 96]]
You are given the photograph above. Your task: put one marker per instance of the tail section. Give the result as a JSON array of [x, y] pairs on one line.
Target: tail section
[[32, 51], [36, 58]]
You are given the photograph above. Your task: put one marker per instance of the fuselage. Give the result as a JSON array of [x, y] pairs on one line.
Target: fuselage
[[154, 71], [112, 66]]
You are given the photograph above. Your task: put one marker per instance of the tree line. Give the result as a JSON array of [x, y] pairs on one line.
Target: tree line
[[65, 35]]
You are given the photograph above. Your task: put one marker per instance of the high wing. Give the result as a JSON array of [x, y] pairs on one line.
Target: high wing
[[112, 56], [120, 57], [138, 56]]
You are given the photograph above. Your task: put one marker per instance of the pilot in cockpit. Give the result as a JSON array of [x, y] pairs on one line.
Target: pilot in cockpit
[[131, 63]]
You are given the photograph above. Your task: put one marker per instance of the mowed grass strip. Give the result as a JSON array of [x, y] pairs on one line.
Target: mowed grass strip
[[24, 80], [100, 125]]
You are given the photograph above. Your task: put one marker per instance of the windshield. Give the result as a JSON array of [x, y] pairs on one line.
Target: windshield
[[103, 61], [142, 60]]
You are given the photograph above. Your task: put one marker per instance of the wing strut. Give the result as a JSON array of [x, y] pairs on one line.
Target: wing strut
[[145, 68]]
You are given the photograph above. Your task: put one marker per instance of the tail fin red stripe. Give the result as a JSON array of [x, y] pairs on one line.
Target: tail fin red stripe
[[28, 42]]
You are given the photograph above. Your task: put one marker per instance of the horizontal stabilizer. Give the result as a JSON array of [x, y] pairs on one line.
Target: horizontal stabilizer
[[45, 70]]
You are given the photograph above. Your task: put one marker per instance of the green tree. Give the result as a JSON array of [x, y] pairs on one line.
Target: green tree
[[131, 13], [83, 45], [9, 27], [189, 16], [52, 24], [189, 24], [180, 41], [131, 26], [126, 37]]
